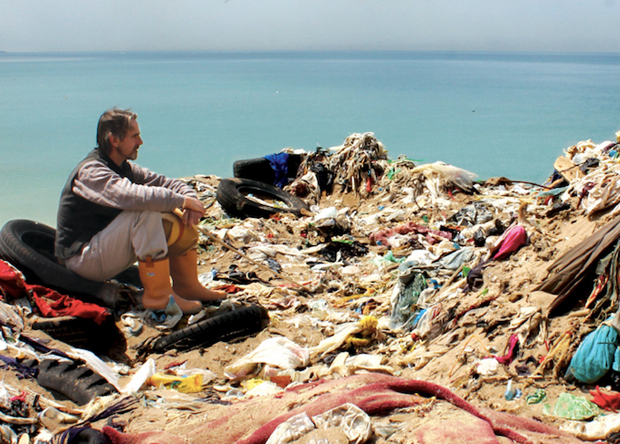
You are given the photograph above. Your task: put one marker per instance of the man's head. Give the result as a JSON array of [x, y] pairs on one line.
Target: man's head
[[118, 134], [114, 122]]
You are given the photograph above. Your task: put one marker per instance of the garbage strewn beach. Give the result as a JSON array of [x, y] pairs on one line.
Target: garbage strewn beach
[[397, 303]]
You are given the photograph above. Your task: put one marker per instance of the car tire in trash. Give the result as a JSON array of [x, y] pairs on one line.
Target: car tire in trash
[[232, 195], [29, 246], [75, 381], [225, 327], [82, 332], [254, 169], [260, 169]]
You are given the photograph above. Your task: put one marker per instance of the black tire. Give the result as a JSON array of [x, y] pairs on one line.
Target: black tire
[[260, 169], [225, 327], [81, 332], [29, 246], [232, 196], [75, 381], [254, 169]]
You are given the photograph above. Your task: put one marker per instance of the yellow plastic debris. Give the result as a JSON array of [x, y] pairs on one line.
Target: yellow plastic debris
[[183, 384], [368, 326], [252, 383]]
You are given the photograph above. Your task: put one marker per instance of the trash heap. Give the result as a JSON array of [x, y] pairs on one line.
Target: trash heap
[[412, 303]]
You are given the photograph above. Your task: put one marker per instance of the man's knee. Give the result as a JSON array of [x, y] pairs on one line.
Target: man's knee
[[148, 237]]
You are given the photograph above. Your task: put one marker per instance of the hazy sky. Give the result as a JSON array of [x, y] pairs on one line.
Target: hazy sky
[[125, 25]]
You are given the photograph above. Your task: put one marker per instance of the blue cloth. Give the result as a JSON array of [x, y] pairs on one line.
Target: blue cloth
[[616, 365], [279, 165], [595, 354]]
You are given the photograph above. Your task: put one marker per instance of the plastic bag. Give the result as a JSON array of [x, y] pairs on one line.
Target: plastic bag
[[349, 418], [578, 408], [277, 352], [595, 354]]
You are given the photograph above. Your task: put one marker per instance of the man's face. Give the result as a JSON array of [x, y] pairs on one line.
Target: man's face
[[127, 148]]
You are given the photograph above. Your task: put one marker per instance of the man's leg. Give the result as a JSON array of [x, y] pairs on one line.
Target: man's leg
[[131, 235], [184, 273]]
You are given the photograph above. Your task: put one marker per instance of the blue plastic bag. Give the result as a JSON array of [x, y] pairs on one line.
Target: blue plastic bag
[[595, 354]]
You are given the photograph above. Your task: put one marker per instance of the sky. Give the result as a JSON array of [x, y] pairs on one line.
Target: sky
[[445, 25]]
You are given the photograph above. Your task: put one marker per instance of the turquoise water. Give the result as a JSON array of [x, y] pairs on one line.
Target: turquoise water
[[507, 114]]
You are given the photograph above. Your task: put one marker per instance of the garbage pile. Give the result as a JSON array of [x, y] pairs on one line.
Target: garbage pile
[[411, 303]]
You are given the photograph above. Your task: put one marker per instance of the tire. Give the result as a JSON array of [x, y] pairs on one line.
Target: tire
[[225, 327], [254, 169], [260, 169], [81, 332], [29, 246], [75, 381], [232, 196]]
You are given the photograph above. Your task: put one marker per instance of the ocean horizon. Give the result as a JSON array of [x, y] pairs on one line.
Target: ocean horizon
[[492, 113]]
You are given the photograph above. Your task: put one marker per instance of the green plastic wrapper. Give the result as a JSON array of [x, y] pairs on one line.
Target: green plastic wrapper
[[537, 397], [576, 408]]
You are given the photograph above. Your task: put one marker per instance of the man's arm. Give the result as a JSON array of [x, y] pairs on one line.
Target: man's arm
[[193, 209], [97, 183], [143, 176]]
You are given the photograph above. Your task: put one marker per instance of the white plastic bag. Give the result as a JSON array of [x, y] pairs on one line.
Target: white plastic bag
[[277, 352]]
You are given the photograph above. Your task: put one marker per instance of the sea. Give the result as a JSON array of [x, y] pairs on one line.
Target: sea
[[491, 113]]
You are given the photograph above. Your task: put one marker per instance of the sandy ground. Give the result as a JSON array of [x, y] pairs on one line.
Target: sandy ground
[[471, 326]]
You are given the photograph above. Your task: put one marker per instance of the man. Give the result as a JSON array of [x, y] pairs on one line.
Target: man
[[110, 215]]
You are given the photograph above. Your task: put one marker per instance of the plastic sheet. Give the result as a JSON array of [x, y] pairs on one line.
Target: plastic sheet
[[346, 365], [342, 333], [8, 316], [139, 379], [404, 298], [455, 260], [569, 406], [277, 352], [598, 428], [97, 365], [349, 418]]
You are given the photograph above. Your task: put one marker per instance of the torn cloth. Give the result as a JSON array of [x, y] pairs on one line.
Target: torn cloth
[[279, 165], [253, 421], [49, 302]]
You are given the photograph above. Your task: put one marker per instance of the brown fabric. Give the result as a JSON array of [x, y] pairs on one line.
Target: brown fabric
[[570, 270]]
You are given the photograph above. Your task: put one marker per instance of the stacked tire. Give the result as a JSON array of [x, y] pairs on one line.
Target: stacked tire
[[29, 246], [235, 197]]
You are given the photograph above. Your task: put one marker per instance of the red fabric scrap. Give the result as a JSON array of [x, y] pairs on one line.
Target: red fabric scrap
[[63, 305], [512, 240], [20, 397], [12, 282], [606, 401], [228, 288], [507, 359]]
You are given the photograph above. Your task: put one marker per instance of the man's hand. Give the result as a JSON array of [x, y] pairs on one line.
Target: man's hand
[[193, 211]]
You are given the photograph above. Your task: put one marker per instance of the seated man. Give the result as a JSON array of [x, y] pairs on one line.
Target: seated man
[[110, 215]]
